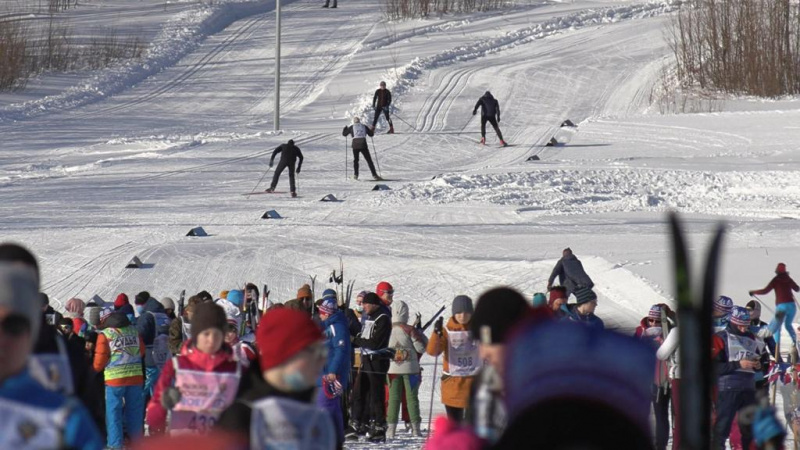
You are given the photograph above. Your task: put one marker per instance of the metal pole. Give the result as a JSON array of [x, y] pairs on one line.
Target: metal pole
[[277, 119], [433, 389]]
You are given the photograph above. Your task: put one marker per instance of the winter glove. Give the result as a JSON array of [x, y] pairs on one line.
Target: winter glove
[[170, 397], [474, 112], [498, 120], [437, 327], [750, 293], [386, 109], [297, 171], [270, 164], [418, 321]]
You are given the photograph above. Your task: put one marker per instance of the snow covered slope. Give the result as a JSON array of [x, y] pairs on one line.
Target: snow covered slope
[[96, 168]]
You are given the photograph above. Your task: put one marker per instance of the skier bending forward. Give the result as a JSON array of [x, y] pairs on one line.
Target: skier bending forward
[[490, 112], [359, 131], [290, 153]]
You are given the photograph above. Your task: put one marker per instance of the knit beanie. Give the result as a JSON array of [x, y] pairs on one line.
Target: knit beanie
[[383, 287], [557, 292], [655, 312], [755, 309], [329, 293], [141, 298], [498, 310], [328, 306], [780, 269], [282, 333], [167, 303], [121, 301], [105, 313], [236, 297], [539, 300], [584, 295], [462, 304], [371, 299], [19, 292], [362, 294], [740, 316], [92, 315], [304, 291], [723, 305], [74, 308], [208, 315]]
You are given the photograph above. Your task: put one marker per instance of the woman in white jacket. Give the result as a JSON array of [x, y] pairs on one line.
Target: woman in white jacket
[[408, 344]]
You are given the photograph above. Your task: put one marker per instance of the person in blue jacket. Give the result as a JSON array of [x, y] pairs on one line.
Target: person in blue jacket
[[152, 324], [583, 309], [337, 366], [33, 417]]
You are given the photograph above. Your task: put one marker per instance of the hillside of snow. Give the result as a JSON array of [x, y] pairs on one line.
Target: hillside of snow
[[96, 168]]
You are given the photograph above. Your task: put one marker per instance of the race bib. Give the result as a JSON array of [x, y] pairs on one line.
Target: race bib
[[285, 424], [359, 131], [25, 426], [206, 391], [366, 330], [185, 422], [160, 350], [742, 348], [462, 354]]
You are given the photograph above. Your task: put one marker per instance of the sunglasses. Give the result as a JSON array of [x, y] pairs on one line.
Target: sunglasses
[[389, 292], [14, 325], [654, 321]]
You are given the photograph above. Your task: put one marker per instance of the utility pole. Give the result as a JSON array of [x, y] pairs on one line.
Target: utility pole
[[277, 119]]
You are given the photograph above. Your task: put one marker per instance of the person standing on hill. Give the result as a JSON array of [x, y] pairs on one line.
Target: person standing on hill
[[381, 102], [570, 273], [783, 285], [290, 153], [360, 132], [490, 112]]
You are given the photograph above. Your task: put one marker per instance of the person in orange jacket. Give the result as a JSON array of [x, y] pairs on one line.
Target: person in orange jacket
[[461, 361], [119, 354]]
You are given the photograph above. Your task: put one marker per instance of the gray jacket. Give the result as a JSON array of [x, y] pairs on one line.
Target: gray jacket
[[407, 342]]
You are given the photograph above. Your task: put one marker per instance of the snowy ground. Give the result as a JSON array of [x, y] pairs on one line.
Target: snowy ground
[[98, 167]]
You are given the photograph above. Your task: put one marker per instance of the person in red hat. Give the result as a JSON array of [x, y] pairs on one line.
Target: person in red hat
[[783, 285], [556, 300], [274, 406], [386, 293]]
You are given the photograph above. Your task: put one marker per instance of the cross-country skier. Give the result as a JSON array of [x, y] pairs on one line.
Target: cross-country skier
[[783, 285], [360, 132], [290, 153], [381, 102], [490, 112]]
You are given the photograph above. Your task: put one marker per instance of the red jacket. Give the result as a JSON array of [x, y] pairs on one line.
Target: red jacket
[[192, 359], [783, 285]]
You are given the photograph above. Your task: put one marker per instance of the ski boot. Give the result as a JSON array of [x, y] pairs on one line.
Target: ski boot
[[294, 194], [269, 190], [355, 431], [391, 129], [416, 431], [377, 178], [483, 141], [334, 5], [503, 143], [377, 433], [355, 177]]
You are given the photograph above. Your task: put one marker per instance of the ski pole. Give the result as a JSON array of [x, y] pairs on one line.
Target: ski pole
[[404, 121], [433, 390], [345, 157], [259, 182], [375, 149]]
